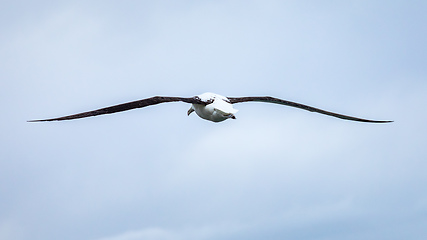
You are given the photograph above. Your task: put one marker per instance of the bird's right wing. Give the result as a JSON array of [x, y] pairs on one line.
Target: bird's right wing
[[124, 107], [299, 105]]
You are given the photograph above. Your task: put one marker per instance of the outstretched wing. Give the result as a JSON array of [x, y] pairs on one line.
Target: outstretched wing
[[299, 105], [124, 107]]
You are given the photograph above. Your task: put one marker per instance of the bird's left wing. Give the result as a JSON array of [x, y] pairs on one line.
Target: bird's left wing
[[299, 105], [124, 107]]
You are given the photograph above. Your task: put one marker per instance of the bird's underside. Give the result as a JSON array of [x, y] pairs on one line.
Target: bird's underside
[[207, 104]]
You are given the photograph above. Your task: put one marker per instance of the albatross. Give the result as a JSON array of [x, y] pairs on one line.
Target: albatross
[[209, 106]]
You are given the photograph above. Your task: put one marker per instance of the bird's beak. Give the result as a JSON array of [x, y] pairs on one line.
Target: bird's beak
[[190, 111]]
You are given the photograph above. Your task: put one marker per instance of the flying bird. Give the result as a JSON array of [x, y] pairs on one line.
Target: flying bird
[[209, 106]]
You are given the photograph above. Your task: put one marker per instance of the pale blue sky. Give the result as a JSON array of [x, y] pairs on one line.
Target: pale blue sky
[[273, 173]]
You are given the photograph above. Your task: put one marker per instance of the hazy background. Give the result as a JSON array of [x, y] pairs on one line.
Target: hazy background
[[274, 173]]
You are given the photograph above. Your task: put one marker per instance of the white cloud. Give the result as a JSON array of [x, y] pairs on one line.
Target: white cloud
[[145, 234], [184, 233], [10, 230]]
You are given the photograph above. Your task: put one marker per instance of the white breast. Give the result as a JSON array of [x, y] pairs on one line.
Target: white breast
[[219, 110]]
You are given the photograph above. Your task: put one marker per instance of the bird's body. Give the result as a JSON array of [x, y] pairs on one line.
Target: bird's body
[[219, 110], [209, 106]]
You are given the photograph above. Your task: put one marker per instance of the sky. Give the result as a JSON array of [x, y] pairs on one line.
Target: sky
[[275, 172]]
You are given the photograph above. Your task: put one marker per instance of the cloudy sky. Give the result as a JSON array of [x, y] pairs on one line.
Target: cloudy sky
[[273, 173]]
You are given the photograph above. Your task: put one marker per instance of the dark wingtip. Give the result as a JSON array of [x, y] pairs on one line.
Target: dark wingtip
[[387, 121], [41, 120]]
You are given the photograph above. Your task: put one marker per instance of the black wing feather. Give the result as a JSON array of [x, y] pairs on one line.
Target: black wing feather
[[123, 107], [301, 106]]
